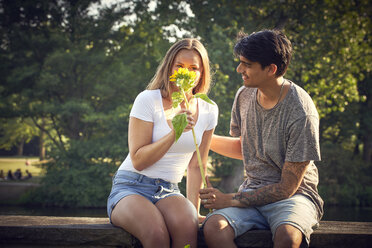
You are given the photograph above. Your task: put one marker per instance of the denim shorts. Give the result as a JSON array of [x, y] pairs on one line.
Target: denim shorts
[[125, 183], [298, 211]]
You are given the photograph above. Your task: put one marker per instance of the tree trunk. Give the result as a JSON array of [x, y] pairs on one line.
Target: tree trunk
[[41, 142], [20, 147], [41, 146], [364, 88], [367, 148]]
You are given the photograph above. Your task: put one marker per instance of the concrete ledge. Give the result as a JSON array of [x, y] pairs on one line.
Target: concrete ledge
[[43, 231]]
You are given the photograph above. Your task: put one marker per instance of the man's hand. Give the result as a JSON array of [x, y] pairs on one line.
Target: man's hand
[[215, 199]]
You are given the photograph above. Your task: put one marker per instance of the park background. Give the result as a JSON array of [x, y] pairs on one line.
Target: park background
[[70, 71]]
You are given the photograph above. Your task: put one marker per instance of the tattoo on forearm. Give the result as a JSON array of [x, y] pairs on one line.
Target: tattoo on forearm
[[292, 176]]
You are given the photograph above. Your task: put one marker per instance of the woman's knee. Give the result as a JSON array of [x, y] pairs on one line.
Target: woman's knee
[[156, 235], [179, 214], [185, 224]]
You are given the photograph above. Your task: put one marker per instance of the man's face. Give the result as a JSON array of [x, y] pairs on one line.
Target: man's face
[[252, 73]]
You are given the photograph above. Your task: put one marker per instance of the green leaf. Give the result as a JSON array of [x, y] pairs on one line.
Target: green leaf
[[204, 97], [177, 98], [179, 123]]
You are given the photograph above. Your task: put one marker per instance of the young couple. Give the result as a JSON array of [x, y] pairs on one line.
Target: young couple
[[274, 125]]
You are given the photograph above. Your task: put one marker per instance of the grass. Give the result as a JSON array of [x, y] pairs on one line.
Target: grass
[[14, 163]]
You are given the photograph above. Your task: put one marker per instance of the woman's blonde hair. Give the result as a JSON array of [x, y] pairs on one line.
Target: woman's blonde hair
[[161, 78]]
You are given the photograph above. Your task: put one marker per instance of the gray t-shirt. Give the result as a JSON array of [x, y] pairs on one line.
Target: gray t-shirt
[[287, 132]]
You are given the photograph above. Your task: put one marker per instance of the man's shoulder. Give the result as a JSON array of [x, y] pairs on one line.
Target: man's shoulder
[[244, 93], [301, 92], [301, 101]]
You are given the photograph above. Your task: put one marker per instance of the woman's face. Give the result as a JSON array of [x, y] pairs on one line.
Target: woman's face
[[189, 59]]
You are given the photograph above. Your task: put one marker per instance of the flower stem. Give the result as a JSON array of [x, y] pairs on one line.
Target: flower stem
[[201, 167]]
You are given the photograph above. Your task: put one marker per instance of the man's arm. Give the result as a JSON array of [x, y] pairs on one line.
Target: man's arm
[[292, 176], [227, 146]]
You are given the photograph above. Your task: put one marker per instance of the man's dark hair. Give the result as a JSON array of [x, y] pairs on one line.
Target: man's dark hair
[[265, 47]]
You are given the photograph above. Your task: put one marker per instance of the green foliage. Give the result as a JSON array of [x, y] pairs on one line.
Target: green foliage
[[79, 75], [73, 182], [332, 59], [344, 178], [75, 76], [16, 131], [177, 99], [204, 97]]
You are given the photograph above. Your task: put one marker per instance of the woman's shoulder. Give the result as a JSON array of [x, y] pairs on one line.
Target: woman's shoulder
[[208, 107], [148, 95], [207, 104]]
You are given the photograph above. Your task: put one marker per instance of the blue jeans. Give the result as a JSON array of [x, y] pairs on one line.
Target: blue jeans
[[298, 211], [125, 183]]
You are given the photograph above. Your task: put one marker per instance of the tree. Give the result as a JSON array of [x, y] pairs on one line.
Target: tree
[[16, 132], [75, 76]]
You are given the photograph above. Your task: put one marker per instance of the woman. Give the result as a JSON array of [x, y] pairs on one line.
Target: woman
[[145, 199]]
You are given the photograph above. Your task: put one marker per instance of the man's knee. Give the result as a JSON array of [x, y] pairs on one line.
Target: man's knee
[[287, 236], [218, 224], [218, 232]]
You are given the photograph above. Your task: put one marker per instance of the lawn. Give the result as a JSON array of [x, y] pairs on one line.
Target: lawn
[[13, 163]]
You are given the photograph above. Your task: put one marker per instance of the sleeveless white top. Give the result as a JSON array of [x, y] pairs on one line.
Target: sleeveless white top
[[148, 106]]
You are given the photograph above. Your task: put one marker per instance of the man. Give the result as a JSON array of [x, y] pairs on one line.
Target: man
[[275, 129]]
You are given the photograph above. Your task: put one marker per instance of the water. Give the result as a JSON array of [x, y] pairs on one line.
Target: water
[[330, 212], [362, 214], [54, 211]]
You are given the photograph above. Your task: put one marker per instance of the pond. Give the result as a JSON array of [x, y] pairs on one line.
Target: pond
[[331, 212]]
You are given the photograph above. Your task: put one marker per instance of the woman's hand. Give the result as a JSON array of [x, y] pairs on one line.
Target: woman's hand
[[190, 118]]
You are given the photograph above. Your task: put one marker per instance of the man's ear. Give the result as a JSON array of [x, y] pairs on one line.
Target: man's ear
[[272, 68]]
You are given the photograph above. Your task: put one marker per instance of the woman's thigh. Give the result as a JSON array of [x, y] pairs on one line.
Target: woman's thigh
[[137, 215]]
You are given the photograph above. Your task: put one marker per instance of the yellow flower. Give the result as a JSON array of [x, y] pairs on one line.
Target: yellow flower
[[183, 73]]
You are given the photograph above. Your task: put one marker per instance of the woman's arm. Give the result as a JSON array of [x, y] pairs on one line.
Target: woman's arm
[[194, 180], [142, 151], [227, 146]]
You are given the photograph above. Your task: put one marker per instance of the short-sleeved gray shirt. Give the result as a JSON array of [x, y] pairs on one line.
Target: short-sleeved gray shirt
[[287, 132]]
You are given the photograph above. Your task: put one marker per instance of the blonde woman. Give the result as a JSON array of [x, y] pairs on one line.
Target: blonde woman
[[145, 199]]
